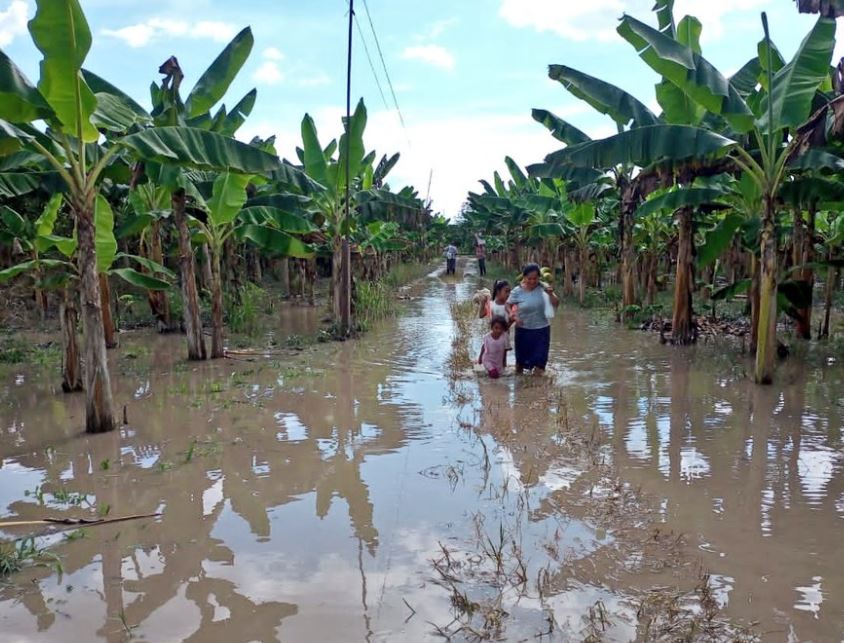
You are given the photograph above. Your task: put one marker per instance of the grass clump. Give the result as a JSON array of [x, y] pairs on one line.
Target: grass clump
[[15, 556], [242, 312]]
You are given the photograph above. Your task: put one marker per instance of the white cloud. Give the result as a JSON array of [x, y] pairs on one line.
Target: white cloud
[[268, 73], [436, 29], [314, 79], [271, 53], [431, 54], [597, 19], [144, 33], [13, 21]]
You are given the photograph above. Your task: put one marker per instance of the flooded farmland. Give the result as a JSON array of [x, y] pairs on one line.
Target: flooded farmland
[[377, 490]]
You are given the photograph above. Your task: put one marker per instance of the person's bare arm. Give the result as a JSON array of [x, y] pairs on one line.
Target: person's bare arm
[[481, 356], [555, 301]]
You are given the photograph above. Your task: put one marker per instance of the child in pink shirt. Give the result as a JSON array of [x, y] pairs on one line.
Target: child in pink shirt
[[494, 347]]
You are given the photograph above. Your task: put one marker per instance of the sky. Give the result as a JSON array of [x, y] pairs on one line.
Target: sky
[[465, 73]]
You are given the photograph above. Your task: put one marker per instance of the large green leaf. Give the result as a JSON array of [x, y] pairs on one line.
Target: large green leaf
[[796, 83], [731, 290], [643, 146], [746, 78], [664, 10], [45, 223], [99, 85], [384, 167], [152, 266], [198, 148], [815, 159], [811, 192], [282, 219], [15, 223], [114, 114], [60, 31], [314, 158], [548, 230], [139, 279], [582, 215], [275, 241], [227, 197], [65, 245], [608, 99], [27, 266], [689, 71], [239, 113], [351, 143], [106, 244], [20, 102], [719, 239], [214, 83], [560, 129], [14, 184], [519, 177], [680, 198]]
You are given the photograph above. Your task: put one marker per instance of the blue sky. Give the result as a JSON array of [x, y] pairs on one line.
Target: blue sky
[[466, 73]]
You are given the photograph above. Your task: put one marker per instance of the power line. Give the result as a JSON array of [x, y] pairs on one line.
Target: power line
[[386, 73], [371, 64]]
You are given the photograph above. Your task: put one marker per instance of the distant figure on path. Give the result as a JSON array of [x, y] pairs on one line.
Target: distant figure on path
[[533, 328], [451, 259], [480, 253]]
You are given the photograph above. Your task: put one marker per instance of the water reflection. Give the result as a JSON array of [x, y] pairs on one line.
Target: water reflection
[[292, 504]]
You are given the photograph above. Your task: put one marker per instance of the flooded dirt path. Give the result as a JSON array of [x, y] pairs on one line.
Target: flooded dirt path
[[359, 492]]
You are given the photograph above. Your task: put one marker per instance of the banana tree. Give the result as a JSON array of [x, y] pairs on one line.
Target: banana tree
[[582, 218], [77, 117], [766, 126], [266, 226], [830, 229], [65, 274]]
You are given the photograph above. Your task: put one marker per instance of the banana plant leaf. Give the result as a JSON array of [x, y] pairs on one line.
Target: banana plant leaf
[[689, 71], [238, 114], [27, 266], [227, 198], [608, 99], [560, 129], [680, 198], [352, 150], [200, 149], [718, 239], [139, 279], [275, 241], [794, 85], [15, 223], [215, 81], [642, 146], [100, 86], [61, 33], [731, 290], [283, 220], [114, 115], [14, 184], [149, 264], [20, 102], [106, 244]]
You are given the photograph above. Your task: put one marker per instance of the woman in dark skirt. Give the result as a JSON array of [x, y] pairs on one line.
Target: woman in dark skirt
[[533, 328]]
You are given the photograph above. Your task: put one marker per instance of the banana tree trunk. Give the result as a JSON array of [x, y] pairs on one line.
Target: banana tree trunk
[[158, 302], [99, 405], [754, 302], [71, 364], [568, 277], [682, 324], [205, 267], [803, 252], [284, 268], [628, 252], [40, 295], [109, 329], [650, 292], [767, 333], [831, 282], [581, 275], [337, 281], [190, 297], [217, 350]]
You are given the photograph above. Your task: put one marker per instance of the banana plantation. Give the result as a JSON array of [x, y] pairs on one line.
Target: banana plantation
[[731, 189], [255, 387]]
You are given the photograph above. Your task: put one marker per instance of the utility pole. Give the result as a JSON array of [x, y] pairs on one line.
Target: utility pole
[[345, 251]]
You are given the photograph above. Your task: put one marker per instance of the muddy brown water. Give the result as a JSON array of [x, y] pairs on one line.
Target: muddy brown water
[[311, 497]]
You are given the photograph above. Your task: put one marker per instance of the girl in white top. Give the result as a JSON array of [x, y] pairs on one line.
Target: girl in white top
[[497, 306]]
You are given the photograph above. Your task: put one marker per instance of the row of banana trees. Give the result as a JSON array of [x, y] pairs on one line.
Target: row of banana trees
[[736, 177], [94, 186]]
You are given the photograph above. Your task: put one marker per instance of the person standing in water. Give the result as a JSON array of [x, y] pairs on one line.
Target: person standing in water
[[451, 259], [533, 328], [494, 348], [480, 254]]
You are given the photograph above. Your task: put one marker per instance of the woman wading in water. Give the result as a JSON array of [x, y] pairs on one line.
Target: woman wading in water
[[533, 326]]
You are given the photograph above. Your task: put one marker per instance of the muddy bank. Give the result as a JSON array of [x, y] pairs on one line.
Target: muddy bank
[[359, 491]]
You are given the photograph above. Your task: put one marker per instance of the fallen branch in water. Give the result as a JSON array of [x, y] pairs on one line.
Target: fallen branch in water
[[87, 522]]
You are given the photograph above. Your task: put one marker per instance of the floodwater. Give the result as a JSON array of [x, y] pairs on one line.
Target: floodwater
[[359, 491]]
